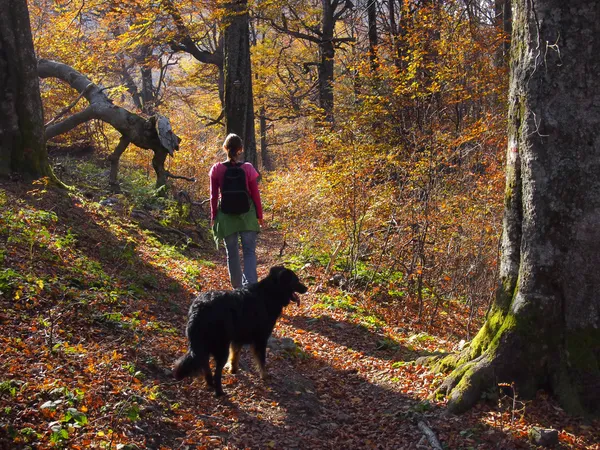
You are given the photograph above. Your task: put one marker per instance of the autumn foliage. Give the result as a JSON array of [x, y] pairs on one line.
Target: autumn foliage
[[391, 213]]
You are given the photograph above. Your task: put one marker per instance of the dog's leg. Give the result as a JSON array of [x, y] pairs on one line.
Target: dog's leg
[[234, 358], [220, 359], [207, 373], [259, 348]]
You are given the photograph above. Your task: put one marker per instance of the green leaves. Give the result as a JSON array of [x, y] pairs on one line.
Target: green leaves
[[77, 417]]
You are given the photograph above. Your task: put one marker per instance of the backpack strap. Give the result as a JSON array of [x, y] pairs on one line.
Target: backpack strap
[[229, 164]]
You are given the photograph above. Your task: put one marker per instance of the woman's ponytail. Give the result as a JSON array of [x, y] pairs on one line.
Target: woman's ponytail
[[232, 145]]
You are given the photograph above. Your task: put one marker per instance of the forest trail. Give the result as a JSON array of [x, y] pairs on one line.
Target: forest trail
[[92, 318], [342, 385]]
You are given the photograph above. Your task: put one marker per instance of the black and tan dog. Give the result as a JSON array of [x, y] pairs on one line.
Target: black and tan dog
[[220, 320]]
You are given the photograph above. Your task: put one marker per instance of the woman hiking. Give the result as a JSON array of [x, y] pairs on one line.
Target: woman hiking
[[236, 210]]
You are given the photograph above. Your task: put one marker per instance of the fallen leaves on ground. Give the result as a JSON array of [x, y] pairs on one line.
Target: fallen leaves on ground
[[92, 316]]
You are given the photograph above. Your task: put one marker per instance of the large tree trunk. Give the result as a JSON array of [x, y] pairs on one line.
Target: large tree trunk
[[22, 141], [326, 65], [544, 328], [239, 104]]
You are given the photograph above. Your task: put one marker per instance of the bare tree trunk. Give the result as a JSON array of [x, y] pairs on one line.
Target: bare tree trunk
[[327, 55], [503, 14], [544, 328], [114, 159], [267, 161], [22, 141], [239, 104], [158, 163], [148, 97], [395, 16], [373, 38]]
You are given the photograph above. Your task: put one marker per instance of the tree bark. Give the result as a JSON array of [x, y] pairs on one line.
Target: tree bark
[[22, 141], [373, 38], [267, 161], [327, 54], [239, 103], [503, 15], [544, 328], [114, 159]]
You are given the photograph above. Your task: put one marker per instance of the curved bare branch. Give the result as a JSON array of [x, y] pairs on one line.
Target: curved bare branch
[[137, 129]]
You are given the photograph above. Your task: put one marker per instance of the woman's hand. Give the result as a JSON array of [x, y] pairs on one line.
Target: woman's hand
[[261, 223]]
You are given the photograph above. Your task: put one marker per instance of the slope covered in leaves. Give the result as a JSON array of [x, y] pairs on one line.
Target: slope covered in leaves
[[94, 295]]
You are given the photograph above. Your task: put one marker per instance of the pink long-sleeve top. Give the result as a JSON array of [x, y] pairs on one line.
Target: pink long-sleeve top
[[216, 175]]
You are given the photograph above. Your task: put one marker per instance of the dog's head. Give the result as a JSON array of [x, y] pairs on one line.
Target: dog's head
[[287, 283]]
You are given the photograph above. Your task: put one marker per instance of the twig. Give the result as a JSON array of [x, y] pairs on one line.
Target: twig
[[180, 177], [433, 440], [333, 257], [68, 108]]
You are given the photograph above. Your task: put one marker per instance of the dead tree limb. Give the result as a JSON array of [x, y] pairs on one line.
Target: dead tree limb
[[431, 437], [153, 133]]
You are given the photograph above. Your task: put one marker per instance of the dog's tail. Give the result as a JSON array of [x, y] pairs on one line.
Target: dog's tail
[[187, 365]]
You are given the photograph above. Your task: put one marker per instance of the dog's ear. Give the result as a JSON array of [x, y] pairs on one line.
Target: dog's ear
[[287, 277], [276, 270]]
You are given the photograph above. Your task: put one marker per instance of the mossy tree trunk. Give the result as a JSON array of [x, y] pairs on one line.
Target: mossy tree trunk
[[239, 104], [22, 141], [544, 328]]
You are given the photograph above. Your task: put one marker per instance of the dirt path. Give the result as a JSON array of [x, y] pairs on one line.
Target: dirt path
[[334, 390]]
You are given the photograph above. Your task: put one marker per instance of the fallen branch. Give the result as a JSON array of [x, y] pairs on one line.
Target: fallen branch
[[153, 133], [433, 440], [71, 106], [179, 177]]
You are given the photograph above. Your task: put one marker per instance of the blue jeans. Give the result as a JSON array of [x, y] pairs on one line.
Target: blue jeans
[[239, 279]]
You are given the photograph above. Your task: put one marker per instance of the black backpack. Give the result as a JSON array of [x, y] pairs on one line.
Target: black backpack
[[234, 195]]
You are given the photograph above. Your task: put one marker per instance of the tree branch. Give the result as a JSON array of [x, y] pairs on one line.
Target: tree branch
[[137, 129], [179, 177], [347, 5], [297, 34], [186, 43], [431, 437], [308, 27], [69, 123]]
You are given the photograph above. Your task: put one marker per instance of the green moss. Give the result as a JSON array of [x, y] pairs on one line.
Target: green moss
[[488, 332], [566, 393], [582, 347], [495, 321], [446, 364], [508, 191], [468, 391]]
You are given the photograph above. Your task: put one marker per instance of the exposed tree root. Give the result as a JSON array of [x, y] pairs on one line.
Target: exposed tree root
[[466, 383]]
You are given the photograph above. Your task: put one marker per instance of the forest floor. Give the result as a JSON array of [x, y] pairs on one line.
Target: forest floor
[[93, 301]]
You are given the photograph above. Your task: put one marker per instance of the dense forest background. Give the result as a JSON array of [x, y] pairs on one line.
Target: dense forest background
[[400, 179], [379, 128]]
